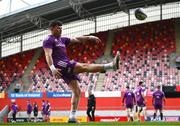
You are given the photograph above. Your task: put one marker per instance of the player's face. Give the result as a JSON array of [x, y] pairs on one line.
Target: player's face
[[90, 93], [57, 30]]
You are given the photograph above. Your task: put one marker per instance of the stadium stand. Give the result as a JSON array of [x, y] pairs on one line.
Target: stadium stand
[[145, 55], [42, 79], [88, 52], [145, 51], [12, 67]]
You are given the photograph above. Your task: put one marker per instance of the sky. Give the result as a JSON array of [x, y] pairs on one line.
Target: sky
[[18, 4]]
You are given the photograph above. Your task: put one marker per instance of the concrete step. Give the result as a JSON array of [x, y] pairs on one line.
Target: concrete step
[[109, 43], [100, 82], [25, 78]]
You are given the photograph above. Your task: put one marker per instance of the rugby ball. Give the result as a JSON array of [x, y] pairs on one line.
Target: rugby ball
[[140, 14]]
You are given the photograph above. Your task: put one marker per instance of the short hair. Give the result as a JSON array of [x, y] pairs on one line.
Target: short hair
[[55, 23], [158, 87], [140, 83], [127, 86]]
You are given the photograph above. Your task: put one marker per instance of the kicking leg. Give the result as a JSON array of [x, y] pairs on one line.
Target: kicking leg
[[76, 92], [84, 67]]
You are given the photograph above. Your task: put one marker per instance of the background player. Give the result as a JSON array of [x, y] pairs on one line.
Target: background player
[[48, 110], [130, 101], [14, 110], [91, 106], [158, 100], [43, 110], [35, 110], [140, 100], [62, 67], [29, 110]]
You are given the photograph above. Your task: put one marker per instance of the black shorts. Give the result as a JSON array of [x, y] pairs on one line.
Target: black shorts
[[158, 106], [35, 113], [129, 106]]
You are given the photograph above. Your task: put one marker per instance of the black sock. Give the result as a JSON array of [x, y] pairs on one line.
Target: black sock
[[161, 114], [154, 115], [131, 119], [136, 108]]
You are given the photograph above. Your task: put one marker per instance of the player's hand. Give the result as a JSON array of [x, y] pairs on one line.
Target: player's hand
[[57, 73], [93, 108], [94, 38]]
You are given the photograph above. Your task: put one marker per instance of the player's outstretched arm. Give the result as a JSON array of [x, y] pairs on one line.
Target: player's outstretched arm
[[83, 39]]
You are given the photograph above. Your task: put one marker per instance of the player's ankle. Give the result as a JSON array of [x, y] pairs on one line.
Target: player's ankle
[[108, 66], [72, 114]]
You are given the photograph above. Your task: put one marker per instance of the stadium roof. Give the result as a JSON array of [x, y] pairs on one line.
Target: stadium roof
[[39, 17]]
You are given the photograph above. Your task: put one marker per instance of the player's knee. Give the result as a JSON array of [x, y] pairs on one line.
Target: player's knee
[[77, 93], [84, 67]]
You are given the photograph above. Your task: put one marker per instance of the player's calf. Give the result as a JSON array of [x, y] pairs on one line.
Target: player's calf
[[84, 67], [154, 116], [161, 115]]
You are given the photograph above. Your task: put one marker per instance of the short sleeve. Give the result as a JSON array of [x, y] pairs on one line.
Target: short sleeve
[[48, 43], [66, 40]]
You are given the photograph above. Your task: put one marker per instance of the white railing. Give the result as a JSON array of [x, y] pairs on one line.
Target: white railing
[[104, 22]]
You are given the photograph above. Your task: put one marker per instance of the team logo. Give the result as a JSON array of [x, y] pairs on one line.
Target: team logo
[[62, 64], [59, 43], [56, 40], [69, 70]]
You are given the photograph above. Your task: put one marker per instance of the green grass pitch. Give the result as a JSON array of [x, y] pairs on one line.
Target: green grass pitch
[[95, 124]]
